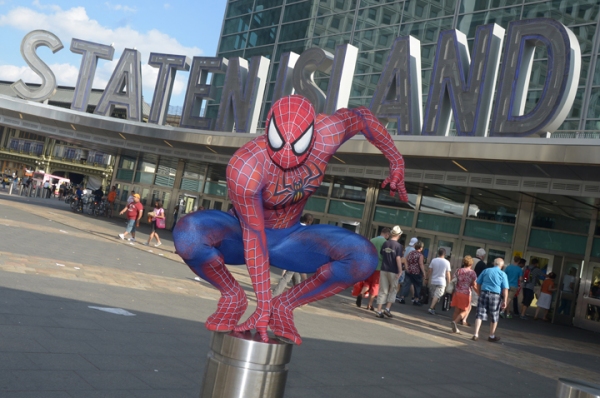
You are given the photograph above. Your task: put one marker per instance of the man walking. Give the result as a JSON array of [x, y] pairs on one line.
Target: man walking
[[391, 266], [481, 264], [134, 210], [514, 274], [439, 277], [531, 274], [371, 285], [492, 287]]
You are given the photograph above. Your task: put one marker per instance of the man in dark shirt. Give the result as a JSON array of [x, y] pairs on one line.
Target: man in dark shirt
[[391, 267], [481, 264], [98, 194]]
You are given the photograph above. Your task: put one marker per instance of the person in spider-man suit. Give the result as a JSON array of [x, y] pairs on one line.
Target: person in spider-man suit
[[269, 180]]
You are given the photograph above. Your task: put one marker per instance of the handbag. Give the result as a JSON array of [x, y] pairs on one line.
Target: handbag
[[160, 222], [451, 285]]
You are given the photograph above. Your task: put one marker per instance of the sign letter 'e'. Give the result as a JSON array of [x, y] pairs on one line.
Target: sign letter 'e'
[[124, 87], [242, 94], [29, 45], [398, 96], [560, 87], [90, 53]]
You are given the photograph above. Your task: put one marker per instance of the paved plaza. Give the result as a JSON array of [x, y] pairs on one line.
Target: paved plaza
[[56, 264]]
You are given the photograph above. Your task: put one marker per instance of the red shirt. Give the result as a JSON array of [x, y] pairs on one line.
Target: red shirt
[[133, 209]]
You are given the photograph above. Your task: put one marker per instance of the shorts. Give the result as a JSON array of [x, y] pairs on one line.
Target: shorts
[[544, 301], [371, 283], [461, 301], [153, 225], [388, 285], [527, 297], [512, 292], [489, 304], [130, 226], [437, 291]]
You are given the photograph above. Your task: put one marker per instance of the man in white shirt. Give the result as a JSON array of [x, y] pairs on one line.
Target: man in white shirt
[[439, 277]]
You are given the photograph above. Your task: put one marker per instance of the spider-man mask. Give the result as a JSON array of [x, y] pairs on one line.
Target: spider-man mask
[[290, 131]]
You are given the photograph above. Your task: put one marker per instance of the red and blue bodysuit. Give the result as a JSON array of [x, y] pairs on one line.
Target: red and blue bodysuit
[[269, 181]]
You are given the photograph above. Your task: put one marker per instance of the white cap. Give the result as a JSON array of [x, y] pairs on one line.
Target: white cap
[[396, 231], [413, 241]]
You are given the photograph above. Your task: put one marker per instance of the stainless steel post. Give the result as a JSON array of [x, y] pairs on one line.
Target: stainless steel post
[[568, 388], [240, 365]]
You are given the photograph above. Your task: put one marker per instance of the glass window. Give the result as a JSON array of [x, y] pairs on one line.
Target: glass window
[[394, 216], [297, 11], [346, 209], [335, 6], [265, 18], [569, 12], [375, 39], [126, 163], [594, 107], [316, 204], [563, 213], [379, 16], [238, 8], [216, 183], [262, 37], [468, 23], [428, 29], [420, 9], [585, 36], [263, 4], [234, 42], [434, 222], [165, 174], [467, 6], [558, 241], [329, 43], [294, 31], [146, 168], [489, 231], [323, 189], [493, 205], [349, 188], [338, 23], [443, 199], [236, 25], [266, 51], [385, 198]]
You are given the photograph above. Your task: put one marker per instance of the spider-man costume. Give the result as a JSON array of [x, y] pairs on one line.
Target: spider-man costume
[[269, 180]]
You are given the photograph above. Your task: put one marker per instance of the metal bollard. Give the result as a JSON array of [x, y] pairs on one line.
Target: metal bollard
[[240, 365], [568, 388]]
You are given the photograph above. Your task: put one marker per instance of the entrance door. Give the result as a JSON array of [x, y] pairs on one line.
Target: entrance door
[[492, 252], [588, 305], [190, 204], [431, 244], [567, 280], [210, 203]]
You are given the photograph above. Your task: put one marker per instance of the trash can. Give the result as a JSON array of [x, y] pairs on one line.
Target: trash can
[[568, 388], [241, 365]]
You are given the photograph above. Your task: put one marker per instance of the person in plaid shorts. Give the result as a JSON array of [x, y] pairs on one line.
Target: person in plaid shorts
[[492, 287]]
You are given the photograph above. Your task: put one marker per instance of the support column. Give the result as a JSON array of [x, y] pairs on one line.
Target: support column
[[523, 223]]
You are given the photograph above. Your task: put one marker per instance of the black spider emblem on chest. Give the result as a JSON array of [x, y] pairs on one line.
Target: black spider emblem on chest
[[298, 187]]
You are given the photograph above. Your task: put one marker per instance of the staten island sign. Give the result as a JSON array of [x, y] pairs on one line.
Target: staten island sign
[[482, 98]]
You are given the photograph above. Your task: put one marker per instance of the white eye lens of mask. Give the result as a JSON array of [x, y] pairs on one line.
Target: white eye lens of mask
[[301, 145], [274, 137]]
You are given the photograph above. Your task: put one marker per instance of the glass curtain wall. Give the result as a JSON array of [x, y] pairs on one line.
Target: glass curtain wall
[[271, 28]]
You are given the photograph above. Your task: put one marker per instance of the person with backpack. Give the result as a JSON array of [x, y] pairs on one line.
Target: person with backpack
[[531, 275]]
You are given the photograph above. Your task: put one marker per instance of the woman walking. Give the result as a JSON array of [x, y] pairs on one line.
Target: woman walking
[[158, 222], [461, 300]]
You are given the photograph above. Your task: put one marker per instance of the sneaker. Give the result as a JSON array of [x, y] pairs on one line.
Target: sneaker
[[131, 239], [158, 244], [417, 303], [371, 308], [387, 313], [494, 339], [122, 236], [455, 327], [509, 316], [431, 311], [475, 338], [378, 314], [145, 243], [522, 317], [400, 300], [502, 315], [359, 300]]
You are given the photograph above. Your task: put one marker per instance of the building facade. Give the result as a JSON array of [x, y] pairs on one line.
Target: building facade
[[537, 197]]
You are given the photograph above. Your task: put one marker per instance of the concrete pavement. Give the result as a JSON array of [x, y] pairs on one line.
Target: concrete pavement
[[55, 264]]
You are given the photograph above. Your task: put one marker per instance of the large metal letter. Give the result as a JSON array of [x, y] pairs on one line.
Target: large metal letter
[[312, 60], [340, 81], [560, 87], [450, 91], [167, 65], [242, 94], [284, 85], [398, 94], [29, 45], [198, 90], [124, 87], [90, 53]]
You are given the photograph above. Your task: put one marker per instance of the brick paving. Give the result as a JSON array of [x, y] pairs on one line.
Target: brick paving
[[54, 264]]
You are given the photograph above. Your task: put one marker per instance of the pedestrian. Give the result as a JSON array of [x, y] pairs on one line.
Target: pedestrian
[[175, 216], [461, 298], [46, 187], [287, 276], [413, 277], [531, 275], [110, 198], [134, 210], [157, 222], [480, 263], [545, 300], [130, 198], [391, 266], [370, 286], [492, 287], [515, 277], [439, 277], [407, 250]]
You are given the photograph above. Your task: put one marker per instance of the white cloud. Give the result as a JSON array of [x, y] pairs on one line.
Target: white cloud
[[65, 74], [119, 7], [41, 6], [167, 6]]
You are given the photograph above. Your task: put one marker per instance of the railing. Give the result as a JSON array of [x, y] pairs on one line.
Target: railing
[[26, 146], [81, 155]]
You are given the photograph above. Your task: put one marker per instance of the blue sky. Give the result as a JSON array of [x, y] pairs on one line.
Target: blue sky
[[189, 28]]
